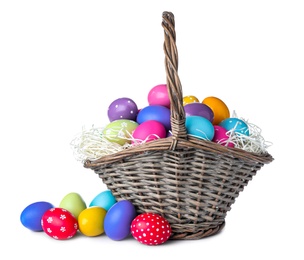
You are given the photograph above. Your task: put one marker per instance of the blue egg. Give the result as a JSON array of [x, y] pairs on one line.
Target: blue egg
[[237, 124], [31, 216], [155, 112], [104, 200], [199, 127], [118, 219]]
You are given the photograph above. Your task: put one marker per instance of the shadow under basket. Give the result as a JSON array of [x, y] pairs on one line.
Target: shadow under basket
[[190, 181]]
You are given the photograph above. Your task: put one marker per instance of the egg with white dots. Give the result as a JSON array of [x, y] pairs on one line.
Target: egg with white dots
[[151, 229], [235, 125], [122, 108]]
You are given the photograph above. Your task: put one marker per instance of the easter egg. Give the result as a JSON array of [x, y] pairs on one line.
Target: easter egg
[[199, 127], [59, 223], [159, 95], [148, 131], [151, 229], [91, 221], [74, 203], [199, 109], [155, 112], [104, 199], [122, 108], [31, 215], [118, 220], [219, 108], [189, 99], [120, 131], [235, 125], [221, 137]]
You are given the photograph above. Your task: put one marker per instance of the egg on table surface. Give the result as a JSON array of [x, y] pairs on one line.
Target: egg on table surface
[[118, 220], [91, 221], [104, 199], [150, 229], [31, 215], [59, 223], [74, 203]]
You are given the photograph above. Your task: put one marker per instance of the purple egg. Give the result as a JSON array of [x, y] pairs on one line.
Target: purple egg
[[199, 109], [122, 108]]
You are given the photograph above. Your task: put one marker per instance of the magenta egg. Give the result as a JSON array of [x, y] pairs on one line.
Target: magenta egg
[[148, 131], [159, 95], [122, 108], [221, 137], [199, 109]]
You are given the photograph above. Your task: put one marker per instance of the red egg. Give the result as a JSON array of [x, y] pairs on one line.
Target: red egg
[[59, 223], [150, 229]]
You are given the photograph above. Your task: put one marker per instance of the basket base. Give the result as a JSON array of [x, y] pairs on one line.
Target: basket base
[[198, 235]]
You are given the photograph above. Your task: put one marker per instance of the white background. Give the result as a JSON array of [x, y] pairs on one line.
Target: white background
[[63, 62]]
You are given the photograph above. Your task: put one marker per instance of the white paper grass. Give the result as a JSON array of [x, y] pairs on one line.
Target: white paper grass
[[91, 144]]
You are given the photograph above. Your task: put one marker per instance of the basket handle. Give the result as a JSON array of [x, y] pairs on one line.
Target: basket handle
[[173, 82]]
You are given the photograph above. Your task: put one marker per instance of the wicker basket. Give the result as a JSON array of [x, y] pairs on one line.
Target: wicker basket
[[189, 181]]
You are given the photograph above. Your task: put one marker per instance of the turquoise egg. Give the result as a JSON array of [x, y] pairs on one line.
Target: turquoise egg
[[199, 127], [104, 200], [235, 124]]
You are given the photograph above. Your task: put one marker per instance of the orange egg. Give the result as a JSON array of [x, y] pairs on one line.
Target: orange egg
[[189, 99], [219, 108]]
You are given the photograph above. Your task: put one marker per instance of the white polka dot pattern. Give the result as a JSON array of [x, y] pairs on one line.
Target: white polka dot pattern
[[150, 229]]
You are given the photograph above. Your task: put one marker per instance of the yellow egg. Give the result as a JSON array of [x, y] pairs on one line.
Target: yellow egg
[[189, 99], [219, 108], [91, 221]]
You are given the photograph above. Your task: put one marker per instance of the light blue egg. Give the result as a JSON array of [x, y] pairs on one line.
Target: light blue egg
[[104, 199], [237, 124], [199, 127]]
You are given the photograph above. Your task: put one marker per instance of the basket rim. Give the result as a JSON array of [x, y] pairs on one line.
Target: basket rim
[[164, 144]]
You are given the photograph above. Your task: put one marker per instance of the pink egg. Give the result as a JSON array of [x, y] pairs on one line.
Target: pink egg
[[148, 131], [220, 136], [159, 95]]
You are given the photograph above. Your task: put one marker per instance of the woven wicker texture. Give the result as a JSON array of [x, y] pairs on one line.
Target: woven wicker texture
[[189, 181]]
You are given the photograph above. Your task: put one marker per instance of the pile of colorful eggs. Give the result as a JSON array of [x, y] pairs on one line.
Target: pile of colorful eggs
[[104, 215], [209, 119]]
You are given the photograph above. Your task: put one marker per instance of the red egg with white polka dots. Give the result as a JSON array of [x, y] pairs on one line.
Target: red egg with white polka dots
[[150, 229], [59, 223]]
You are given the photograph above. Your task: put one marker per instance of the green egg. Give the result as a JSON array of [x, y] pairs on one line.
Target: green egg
[[74, 203], [120, 131]]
